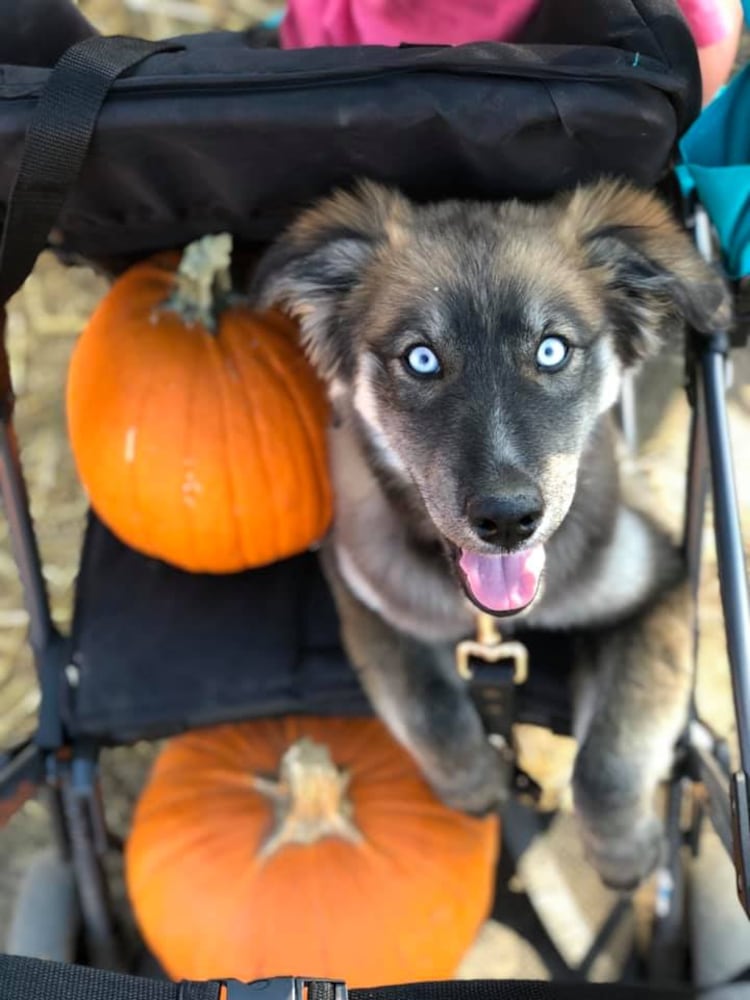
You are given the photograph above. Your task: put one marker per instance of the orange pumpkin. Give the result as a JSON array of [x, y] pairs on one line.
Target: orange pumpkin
[[197, 425], [304, 846]]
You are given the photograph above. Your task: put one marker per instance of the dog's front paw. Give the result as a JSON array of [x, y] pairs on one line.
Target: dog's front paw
[[625, 859], [478, 790]]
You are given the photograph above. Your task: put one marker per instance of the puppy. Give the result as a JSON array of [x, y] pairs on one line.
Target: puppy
[[472, 353]]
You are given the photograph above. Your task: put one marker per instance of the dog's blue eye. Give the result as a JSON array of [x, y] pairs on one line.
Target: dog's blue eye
[[552, 353], [422, 360]]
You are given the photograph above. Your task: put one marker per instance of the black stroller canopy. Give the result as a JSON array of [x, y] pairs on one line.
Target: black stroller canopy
[[215, 135]]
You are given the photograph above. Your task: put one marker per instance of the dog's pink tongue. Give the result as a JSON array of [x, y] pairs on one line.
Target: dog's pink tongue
[[503, 583]]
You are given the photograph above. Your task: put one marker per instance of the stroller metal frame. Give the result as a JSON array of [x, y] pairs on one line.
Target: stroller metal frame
[[69, 770], [710, 453]]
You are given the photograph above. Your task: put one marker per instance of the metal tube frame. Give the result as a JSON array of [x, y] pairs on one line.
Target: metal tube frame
[[70, 777], [734, 588], [710, 461], [18, 513]]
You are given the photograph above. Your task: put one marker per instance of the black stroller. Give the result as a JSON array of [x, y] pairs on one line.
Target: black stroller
[[95, 135]]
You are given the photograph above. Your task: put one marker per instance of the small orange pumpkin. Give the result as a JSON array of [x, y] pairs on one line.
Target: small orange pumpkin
[[304, 846], [197, 425]]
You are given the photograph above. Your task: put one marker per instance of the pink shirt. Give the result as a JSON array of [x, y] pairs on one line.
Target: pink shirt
[[443, 22]]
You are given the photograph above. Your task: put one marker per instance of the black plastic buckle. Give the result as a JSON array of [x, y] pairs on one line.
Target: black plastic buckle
[[741, 836], [286, 988]]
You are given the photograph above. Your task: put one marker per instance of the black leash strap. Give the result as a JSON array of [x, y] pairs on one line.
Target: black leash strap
[[492, 668], [492, 688], [57, 140]]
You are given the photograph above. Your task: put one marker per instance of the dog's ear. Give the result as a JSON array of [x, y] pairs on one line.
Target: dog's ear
[[313, 269], [655, 279]]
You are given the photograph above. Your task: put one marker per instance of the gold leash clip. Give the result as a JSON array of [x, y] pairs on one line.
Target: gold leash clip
[[489, 647]]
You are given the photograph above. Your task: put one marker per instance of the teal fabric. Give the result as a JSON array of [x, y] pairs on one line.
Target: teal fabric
[[274, 20], [716, 164]]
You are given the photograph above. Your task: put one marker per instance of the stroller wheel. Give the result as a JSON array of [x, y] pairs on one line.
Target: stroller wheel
[[45, 917]]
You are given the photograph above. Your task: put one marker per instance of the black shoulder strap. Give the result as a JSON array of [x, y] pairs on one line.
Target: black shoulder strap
[[27, 978], [24, 978], [57, 141]]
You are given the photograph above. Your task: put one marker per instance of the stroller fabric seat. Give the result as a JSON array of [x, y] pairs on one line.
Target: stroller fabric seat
[[159, 650], [156, 650]]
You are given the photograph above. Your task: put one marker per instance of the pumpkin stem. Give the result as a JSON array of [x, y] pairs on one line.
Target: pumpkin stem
[[203, 282], [309, 799]]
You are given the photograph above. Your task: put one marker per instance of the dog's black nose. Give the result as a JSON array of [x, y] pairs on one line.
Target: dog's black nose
[[507, 520]]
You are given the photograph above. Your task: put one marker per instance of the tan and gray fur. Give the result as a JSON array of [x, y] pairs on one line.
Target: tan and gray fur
[[368, 275]]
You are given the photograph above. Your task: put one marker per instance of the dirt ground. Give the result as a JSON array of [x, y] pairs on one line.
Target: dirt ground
[[44, 321]]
